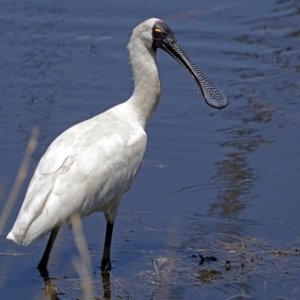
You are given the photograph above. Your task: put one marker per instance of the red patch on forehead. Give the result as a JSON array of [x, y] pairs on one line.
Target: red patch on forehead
[[159, 21]]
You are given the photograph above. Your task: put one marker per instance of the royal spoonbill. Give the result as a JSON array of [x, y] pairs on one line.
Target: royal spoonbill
[[91, 165]]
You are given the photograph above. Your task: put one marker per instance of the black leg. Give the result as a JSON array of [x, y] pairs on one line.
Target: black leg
[[42, 266], [105, 263]]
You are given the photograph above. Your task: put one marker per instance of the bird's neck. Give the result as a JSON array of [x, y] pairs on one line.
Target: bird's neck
[[146, 93]]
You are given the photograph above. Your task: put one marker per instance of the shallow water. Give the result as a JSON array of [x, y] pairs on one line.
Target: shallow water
[[216, 183]]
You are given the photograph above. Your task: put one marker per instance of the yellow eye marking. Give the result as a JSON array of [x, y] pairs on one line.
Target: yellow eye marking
[[157, 30]]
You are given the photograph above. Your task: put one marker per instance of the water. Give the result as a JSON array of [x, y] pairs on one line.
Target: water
[[220, 183]]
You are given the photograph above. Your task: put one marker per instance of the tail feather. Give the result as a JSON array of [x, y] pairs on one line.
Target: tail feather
[[17, 239]]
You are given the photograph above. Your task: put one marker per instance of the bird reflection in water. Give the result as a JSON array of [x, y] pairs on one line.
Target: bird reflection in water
[[52, 291], [106, 285]]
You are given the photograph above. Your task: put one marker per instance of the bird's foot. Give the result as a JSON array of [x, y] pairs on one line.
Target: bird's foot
[[105, 265], [43, 270]]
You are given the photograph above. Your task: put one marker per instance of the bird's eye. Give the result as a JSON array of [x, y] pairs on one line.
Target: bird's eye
[[157, 32]]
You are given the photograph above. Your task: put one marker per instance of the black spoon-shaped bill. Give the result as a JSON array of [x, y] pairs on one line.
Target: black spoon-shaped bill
[[164, 38]]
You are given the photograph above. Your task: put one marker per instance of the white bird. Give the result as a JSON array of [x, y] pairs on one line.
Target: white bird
[[91, 165]]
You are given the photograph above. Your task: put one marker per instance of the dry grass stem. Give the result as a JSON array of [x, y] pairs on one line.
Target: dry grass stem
[[119, 284], [20, 177], [155, 269], [83, 266]]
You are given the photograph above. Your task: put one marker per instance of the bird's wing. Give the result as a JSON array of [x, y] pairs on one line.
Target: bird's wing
[[84, 165]]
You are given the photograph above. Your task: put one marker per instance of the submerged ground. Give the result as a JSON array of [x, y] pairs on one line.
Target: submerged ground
[[222, 184]]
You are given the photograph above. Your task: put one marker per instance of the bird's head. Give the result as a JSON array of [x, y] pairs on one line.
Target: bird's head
[[154, 34]]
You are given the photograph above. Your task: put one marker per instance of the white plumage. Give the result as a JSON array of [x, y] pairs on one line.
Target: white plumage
[[86, 169], [92, 164]]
